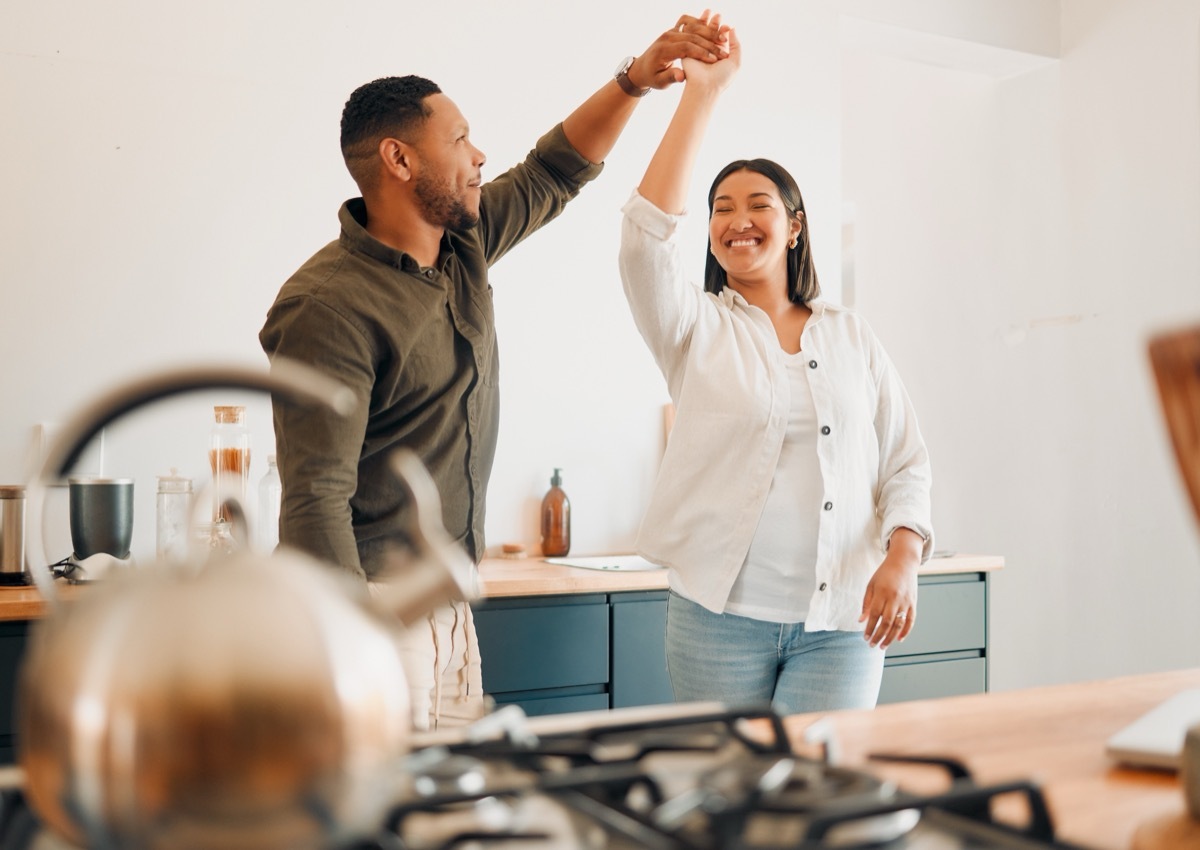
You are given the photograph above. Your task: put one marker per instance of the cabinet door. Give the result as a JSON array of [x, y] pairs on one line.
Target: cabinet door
[[639, 652], [554, 643], [12, 649]]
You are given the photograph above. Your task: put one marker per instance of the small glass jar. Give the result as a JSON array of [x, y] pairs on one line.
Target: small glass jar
[[173, 510]]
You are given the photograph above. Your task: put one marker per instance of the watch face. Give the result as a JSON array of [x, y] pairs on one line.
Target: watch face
[[624, 66]]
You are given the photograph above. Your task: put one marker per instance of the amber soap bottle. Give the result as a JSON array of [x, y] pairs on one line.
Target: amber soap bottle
[[556, 519]]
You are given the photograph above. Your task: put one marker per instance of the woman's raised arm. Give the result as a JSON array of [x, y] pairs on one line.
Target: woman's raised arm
[[669, 173]]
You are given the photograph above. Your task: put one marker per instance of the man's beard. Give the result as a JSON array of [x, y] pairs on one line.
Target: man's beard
[[439, 205]]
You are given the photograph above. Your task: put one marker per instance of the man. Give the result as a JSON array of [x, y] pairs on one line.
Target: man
[[399, 309]]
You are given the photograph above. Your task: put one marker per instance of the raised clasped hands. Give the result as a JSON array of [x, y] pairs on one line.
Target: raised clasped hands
[[702, 40], [716, 75]]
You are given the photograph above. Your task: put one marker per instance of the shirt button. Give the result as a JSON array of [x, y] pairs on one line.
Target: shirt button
[[812, 364], [829, 506], [429, 273], [823, 586], [824, 429]]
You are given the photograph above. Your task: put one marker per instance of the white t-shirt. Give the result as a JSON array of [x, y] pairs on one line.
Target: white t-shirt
[[780, 573]]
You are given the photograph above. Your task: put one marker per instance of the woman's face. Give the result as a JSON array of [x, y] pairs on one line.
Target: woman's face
[[750, 229]]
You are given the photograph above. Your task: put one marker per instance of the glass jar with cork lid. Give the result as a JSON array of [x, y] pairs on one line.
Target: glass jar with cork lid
[[229, 457]]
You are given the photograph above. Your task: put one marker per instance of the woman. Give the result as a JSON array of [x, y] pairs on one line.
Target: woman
[[792, 507]]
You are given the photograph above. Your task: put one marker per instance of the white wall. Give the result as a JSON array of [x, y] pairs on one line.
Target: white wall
[[1018, 240], [167, 166]]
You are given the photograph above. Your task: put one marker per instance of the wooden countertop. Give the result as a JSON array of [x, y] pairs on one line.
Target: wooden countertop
[[499, 577], [1053, 735]]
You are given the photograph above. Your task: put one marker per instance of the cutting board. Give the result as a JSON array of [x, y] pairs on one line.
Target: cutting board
[[615, 563]]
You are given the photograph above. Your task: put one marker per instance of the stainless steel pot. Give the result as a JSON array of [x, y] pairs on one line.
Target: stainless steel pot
[[257, 702]]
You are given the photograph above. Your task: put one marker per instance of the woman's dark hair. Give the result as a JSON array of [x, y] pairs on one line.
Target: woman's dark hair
[[802, 274]]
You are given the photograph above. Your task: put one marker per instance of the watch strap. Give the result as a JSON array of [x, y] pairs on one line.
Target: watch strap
[[626, 84]]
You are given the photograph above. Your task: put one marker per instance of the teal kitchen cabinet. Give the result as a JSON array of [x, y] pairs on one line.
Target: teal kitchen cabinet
[[548, 654], [553, 654], [13, 636], [639, 651], [946, 654], [559, 653]]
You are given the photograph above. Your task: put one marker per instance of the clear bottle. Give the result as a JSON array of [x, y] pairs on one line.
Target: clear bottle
[[556, 519], [270, 498], [229, 457], [173, 511]]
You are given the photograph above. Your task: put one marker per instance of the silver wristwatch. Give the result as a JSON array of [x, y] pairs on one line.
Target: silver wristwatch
[[622, 77]]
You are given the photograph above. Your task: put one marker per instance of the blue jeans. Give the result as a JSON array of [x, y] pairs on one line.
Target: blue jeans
[[742, 661]]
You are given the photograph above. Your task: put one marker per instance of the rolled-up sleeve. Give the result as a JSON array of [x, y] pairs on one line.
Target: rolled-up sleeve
[[532, 193]]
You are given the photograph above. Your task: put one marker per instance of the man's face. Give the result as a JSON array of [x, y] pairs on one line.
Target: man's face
[[447, 168]]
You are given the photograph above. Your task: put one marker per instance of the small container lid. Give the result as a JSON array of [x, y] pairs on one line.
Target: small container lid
[[12, 491], [174, 483]]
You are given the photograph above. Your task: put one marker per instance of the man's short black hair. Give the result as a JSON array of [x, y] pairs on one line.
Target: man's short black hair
[[389, 106]]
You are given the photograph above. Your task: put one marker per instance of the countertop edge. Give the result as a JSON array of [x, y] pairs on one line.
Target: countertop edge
[[500, 578]]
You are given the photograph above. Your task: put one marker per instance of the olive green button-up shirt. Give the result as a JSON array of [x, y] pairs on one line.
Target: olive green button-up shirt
[[418, 348]]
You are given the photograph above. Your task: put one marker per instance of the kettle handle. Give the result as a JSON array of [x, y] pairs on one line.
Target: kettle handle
[[287, 379]]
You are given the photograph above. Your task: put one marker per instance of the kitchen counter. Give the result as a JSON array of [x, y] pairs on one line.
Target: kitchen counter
[[532, 577], [500, 577], [1053, 735]]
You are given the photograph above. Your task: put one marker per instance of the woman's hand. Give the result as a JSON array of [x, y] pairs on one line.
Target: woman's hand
[[890, 603], [716, 75]]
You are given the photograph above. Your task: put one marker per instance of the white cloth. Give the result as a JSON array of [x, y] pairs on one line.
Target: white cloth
[[779, 575], [440, 654], [725, 373]]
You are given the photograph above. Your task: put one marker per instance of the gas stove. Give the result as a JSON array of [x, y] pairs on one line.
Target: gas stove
[[690, 777], [698, 777]]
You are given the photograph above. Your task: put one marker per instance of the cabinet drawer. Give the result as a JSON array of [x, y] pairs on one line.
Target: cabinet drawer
[[951, 616], [552, 646], [932, 679], [557, 705]]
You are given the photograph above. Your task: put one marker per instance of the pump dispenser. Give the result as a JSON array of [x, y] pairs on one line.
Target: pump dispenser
[[556, 519]]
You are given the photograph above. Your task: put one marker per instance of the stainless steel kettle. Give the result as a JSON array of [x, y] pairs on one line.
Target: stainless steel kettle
[[255, 702]]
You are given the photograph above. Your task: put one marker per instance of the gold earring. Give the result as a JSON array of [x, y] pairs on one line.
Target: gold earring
[[792, 244]]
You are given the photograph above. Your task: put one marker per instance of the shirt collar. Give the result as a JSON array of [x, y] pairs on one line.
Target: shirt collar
[[731, 296], [353, 218]]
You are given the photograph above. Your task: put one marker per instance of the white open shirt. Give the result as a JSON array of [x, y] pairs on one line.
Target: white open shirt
[[726, 375]]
